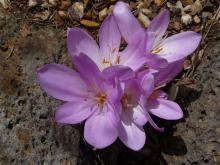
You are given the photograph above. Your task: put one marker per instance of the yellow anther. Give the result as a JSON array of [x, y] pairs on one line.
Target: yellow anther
[[101, 99], [157, 50], [118, 60], [104, 61]]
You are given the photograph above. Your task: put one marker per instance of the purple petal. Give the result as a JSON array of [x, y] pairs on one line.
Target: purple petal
[[120, 72], [133, 90], [147, 84], [173, 48], [78, 41], [129, 26], [134, 55], [152, 123], [139, 116], [161, 94], [130, 134], [165, 75], [165, 109], [74, 112], [155, 61], [109, 38], [149, 42], [88, 70], [100, 130], [159, 25], [61, 82], [114, 93]]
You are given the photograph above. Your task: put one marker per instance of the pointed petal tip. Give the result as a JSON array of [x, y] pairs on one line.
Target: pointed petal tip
[[166, 109], [166, 12], [120, 7], [43, 69]]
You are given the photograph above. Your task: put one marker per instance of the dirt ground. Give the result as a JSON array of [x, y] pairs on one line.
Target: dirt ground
[[29, 135]]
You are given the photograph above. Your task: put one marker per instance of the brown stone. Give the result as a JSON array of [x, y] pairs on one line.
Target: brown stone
[[23, 135]]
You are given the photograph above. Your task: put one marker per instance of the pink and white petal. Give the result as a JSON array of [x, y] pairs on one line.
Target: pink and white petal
[[152, 123], [115, 93], [165, 109], [139, 116], [129, 26], [61, 82], [165, 75], [79, 41], [74, 112], [147, 84], [155, 61], [88, 70], [109, 38], [133, 90], [149, 41], [134, 55], [161, 94], [100, 129], [122, 73], [159, 25], [135, 62], [130, 134], [173, 49]]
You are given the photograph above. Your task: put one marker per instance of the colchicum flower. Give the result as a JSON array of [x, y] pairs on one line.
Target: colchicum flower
[[155, 101], [157, 48], [89, 97], [133, 115], [107, 53], [116, 92]]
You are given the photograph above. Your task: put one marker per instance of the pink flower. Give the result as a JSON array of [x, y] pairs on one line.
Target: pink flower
[[107, 53], [156, 101], [158, 50], [89, 97]]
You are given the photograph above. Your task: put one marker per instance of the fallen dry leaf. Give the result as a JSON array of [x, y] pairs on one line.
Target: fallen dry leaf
[[44, 15], [89, 23], [25, 30]]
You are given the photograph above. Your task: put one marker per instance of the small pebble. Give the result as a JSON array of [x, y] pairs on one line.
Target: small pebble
[[196, 19], [53, 2], [63, 14], [65, 4], [186, 19], [187, 8], [187, 2], [144, 20], [103, 13], [79, 9], [196, 7], [147, 12], [76, 11], [32, 3], [5, 4]]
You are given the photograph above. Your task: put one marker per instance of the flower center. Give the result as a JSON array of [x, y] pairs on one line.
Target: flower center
[[107, 62], [154, 95], [126, 101], [110, 63], [101, 99]]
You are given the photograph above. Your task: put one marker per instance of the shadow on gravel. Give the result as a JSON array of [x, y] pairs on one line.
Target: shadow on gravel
[[151, 154]]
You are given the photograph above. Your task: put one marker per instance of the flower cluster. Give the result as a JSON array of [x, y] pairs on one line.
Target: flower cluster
[[116, 91]]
